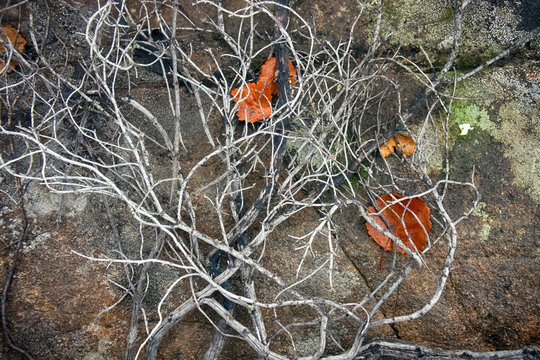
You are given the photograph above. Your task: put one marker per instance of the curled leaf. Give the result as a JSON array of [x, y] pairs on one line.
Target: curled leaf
[[406, 144], [254, 102], [255, 99], [268, 69], [10, 34], [408, 220], [388, 147], [268, 74], [403, 144]]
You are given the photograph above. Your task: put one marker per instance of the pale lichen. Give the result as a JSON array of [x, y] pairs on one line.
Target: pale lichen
[[514, 105], [486, 221]]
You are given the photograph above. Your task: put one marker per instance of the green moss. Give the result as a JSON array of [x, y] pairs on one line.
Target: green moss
[[486, 221], [447, 15], [301, 150], [520, 133], [513, 104], [471, 113], [363, 172], [354, 182]]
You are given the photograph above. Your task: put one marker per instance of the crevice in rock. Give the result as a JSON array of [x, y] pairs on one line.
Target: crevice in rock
[[371, 289]]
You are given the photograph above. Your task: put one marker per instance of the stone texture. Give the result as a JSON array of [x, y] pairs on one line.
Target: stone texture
[[490, 302]]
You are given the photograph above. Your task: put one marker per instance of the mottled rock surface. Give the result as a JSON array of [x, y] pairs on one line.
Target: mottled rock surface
[[56, 301]]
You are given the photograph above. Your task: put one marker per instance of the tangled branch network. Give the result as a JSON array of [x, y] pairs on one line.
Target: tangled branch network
[[208, 212]]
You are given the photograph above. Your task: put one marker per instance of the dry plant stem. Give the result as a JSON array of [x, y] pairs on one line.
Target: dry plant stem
[[76, 147], [14, 4], [177, 132], [407, 350], [439, 76], [135, 290], [137, 295], [517, 44], [278, 151], [117, 237], [10, 105], [218, 341], [176, 315]]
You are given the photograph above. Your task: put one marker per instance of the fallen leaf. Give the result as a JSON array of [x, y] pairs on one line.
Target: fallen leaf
[[388, 147], [10, 34], [255, 99], [409, 216], [255, 102], [406, 144], [268, 74], [403, 144], [292, 74], [268, 70]]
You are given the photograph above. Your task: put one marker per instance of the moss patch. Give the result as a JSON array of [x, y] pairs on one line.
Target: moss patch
[[481, 213], [414, 25], [520, 135], [471, 113], [513, 122]]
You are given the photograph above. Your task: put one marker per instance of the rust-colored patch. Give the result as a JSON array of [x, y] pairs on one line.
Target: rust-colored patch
[[255, 99], [10, 34], [408, 220], [401, 143]]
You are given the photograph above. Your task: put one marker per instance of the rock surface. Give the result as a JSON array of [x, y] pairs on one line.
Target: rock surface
[[56, 301]]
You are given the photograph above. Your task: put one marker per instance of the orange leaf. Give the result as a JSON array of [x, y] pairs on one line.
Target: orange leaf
[[401, 143], [268, 75], [9, 34], [268, 70], [388, 147], [255, 99], [407, 219], [292, 73], [255, 102], [406, 144]]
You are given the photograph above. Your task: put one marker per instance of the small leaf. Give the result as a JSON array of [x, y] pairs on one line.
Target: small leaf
[[388, 147], [268, 75], [406, 144], [403, 144], [255, 99], [407, 219], [10, 34], [255, 102], [292, 74]]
